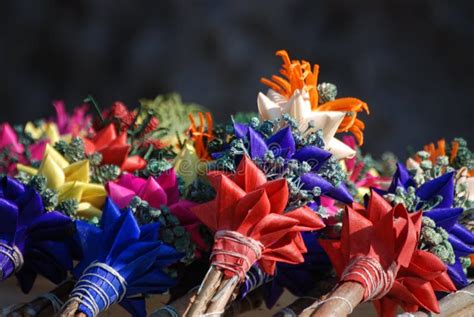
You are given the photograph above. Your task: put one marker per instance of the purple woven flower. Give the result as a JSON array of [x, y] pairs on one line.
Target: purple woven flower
[[32, 241]]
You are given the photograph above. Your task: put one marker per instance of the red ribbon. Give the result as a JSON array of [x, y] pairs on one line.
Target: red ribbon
[[247, 212]]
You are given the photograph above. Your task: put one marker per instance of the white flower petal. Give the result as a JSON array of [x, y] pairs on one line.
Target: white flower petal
[[328, 121], [268, 109], [339, 149]]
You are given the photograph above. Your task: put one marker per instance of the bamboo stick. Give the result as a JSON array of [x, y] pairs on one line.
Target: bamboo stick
[[225, 292], [333, 305], [198, 304], [70, 310]]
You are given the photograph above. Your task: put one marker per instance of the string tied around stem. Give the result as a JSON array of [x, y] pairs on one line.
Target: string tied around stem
[[99, 287], [368, 271], [11, 260], [235, 253]]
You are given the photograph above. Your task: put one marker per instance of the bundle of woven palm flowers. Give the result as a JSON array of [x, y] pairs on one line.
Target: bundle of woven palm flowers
[[115, 205]]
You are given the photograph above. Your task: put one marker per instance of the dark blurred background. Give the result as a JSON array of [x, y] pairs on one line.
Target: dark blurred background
[[411, 61]]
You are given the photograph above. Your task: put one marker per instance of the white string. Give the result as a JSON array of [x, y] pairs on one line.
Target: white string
[[288, 312], [169, 309], [217, 313], [82, 289], [255, 278], [378, 281], [465, 292], [317, 304], [14, 254], [256, 246]]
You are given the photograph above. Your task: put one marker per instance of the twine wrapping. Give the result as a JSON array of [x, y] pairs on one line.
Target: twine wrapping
[[11, 260], [99, 287], [232, 244], [376, 280]]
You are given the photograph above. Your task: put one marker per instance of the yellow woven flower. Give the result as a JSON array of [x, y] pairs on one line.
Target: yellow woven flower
[[188, 165], [71, 181], [48, 130]]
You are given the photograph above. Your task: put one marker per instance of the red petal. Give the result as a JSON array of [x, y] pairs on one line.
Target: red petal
[[89, 146], [115, 155], [104, 137], [207, 214], [443, 283], [285, 250], [133, 163], [248, 176], [424, 293], [333, 250], [377, 207], [248, 212], [425, 265], [277, 191], [307, 218], [272, 228]]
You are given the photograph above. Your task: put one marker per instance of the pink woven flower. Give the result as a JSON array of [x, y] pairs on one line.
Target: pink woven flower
[[73, 123], [159, 191]]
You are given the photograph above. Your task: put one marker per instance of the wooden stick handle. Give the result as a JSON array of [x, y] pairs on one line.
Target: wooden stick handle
[[70, 310], [453, 303], [226, 290], [198, 304], [340, 302]]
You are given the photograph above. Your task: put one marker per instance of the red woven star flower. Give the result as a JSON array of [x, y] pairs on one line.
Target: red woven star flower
[[378, 249], [114, 149], [415, 286], [250, 223]]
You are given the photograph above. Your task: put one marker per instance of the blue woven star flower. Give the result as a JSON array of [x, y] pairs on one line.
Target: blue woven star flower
[[120, 259]]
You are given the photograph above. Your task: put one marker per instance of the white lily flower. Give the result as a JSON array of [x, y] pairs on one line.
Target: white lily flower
[[273, 105]]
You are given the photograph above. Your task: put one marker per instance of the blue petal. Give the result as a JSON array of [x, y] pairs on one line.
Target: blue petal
[[401, 178], [153, 282], [149, 231], [311, 180], [11, 188], [30, 207], [456, 273], [110, 214], [241, 130], [122, 234], [282, 143], [444, 217], [9, 218], [460, 248], [314, 155], [340, 193], [442, 186], [463, 234], [258, 148], [137, 259], [50, 226]]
